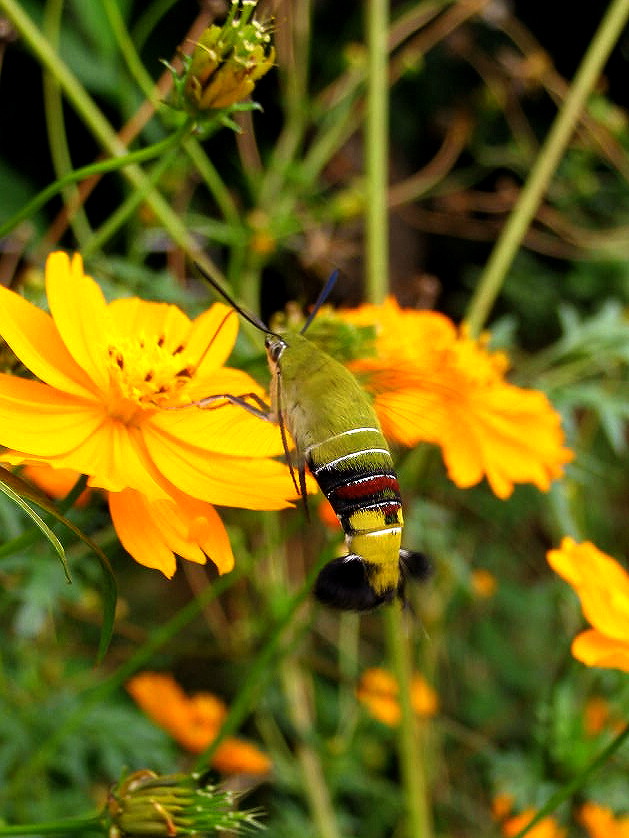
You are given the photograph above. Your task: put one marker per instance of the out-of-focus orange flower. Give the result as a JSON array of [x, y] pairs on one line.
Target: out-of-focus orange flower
[[546, 828], [602, 585], [600, 822], [483, 583], [378, 691], [433, 383], [595, 715], [327, 515], [501, 805], [110, 378], [55, 482], [194, 721]]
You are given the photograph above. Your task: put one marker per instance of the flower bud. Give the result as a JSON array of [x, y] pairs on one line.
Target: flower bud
[[227, 61], [145, 805]]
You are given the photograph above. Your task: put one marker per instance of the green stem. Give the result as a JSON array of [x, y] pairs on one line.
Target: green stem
[[419, 824], [92, 824], [118, 218], [315, 787], [565, 792], [101, 129], [55, 123], [376, 153], [549, 156], [216, 186], [99, 168], [261, 669], [129, 52], [99, 694]]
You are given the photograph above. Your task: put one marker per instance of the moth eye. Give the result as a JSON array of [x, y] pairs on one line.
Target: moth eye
[[274, 347]]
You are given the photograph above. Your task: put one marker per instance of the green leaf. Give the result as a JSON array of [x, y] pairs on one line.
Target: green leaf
[[17, 489], [39, 522]]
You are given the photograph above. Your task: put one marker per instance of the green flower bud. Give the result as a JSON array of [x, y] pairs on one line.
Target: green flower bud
[[227, 61], [145, 805]]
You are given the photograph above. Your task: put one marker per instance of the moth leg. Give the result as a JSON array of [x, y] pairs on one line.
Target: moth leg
[[302, 488], [260, 409]]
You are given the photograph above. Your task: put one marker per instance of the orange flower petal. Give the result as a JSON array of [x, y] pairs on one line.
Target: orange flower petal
[[154, 532], [80, 313], [235, 756], [601, 823], [33, 336], [595, 649], [222, 429], [44, 421], [145, 544], [158, 695], [600, 582], [131, 316], [115, 459], [433, 383], [56, 483], [212, 338], [221, 480], [423, 697], [546, 828]]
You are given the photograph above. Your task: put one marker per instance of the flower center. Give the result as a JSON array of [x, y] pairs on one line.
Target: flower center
[[144, 374]]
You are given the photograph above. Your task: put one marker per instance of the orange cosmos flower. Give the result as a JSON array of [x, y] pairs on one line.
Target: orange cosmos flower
[[546, 828], [501, 805], [378, 691], [601, 823], [110, 376], [55, 482], [599, 716], [433, 383], [602, 585], [194, 722], [483, 583]]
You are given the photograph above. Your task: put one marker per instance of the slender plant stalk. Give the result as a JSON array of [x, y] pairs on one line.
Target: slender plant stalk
[[565, 792], [129, 52], [314, 784], [377, 153], [549, 156], [377, 258], [419, 822], [112, 164], [99, 694], [124, 212], [91, 823], [215, 184], [262, 668], [101, 129], [55, 123]]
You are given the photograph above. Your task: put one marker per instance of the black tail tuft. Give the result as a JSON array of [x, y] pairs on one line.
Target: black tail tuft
[[414, 565], [343, 584]]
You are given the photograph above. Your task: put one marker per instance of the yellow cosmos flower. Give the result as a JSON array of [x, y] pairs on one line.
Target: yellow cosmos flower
[[600, 822], [602, 585], [194, 722], [433, 383], [110, 376], [378, 691]]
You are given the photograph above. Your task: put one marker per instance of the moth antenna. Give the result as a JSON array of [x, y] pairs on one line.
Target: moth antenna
[[251, 318], [325, 293]]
